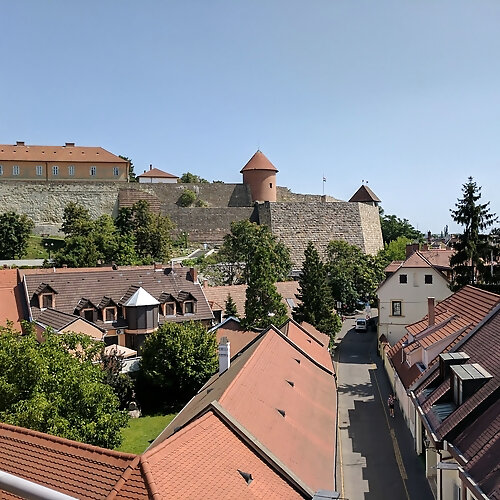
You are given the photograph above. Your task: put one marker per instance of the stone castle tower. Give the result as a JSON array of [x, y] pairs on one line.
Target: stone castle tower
[[260, 175]]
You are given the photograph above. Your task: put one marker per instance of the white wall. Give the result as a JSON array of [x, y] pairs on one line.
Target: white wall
[[413, 296]]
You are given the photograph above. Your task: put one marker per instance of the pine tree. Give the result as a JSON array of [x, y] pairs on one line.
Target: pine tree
[[230, 307], [472, 247], [263, 305], [316, 305]]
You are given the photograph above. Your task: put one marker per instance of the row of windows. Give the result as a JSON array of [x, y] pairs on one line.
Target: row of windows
[[55, 170], [403, 279]]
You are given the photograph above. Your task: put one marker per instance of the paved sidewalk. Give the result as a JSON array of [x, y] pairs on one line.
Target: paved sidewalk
[[376, 455]]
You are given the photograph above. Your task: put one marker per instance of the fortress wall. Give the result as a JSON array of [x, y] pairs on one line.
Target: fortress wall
[[297, 223], [207, 225], [370, 226], [284, 194]]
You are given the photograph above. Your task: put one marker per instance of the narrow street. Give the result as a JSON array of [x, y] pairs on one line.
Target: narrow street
[[376, 459]]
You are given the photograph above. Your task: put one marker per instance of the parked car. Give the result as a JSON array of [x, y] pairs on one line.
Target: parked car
[[360, 325]]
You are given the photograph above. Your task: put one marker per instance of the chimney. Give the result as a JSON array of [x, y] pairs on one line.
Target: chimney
[[19, 143], [150, 166], [204, 283], [158, 266], [411, 249], [70, 144], [432, 313], [224, 355], [193, 274]]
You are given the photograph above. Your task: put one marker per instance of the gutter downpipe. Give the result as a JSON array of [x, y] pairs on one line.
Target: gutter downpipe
[[28, 489]]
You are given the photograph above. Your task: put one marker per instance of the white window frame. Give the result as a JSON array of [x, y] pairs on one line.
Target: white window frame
[[93, 171], [15, 170], [39, 170], [55, 170], [115, 313], [165, 308], [393, 303], [71, 170]]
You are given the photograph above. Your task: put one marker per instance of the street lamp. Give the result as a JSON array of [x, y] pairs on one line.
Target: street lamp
[[49, 245]]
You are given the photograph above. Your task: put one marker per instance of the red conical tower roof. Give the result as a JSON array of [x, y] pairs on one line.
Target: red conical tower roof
[[258, 161]]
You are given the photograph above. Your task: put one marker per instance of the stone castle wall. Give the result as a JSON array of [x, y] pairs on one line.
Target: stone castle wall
[[298, 223], [300, 219]]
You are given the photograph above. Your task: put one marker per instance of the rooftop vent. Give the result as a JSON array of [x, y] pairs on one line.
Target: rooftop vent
[[246, 476], [466, 380], [291, 383], [20, 143], [70, 144], [449, 359], [298, 360], [281, 412]]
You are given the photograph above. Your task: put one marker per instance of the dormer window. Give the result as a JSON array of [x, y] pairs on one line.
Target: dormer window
[[88, 314], [189, 307], [47, 300], [109, 314], [169, 309]]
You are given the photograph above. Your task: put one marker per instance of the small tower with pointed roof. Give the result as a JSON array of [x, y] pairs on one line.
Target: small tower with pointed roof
[[260, 175], [365, 195]]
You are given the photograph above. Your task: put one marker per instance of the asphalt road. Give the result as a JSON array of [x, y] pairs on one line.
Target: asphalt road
[[376, 458]]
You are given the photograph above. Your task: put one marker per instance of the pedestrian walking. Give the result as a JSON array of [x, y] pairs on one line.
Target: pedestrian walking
[[390, 404]]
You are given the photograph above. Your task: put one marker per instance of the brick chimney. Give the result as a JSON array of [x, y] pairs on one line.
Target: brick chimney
[[193, 274], [70, 144], [432, 312], [224, 355], [19, 143], [150, 166], [411, 249]]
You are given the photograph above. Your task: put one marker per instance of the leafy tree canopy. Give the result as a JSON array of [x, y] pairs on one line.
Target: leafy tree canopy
[[131, 175], [394, 250], [189, 178], [316, 307], [393, 227], [15, 231], [239, 247], [55, 387], [176, 361], [473, 247], [353, 276]]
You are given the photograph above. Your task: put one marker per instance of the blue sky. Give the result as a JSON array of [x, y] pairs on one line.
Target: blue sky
[[404, 94]]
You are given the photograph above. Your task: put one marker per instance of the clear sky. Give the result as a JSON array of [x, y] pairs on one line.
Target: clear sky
[[404, 94]]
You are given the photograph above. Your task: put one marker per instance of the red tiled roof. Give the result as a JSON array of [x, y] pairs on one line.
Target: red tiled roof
[[156, 172], [322, 337], [363, 194], [308, 343], [455, 317], [76, 469], [393, 266], [10, 298], [72, 154], [238, 337], [438, 257], [203, 460], [217, 295], [259, 161], [271, 376]]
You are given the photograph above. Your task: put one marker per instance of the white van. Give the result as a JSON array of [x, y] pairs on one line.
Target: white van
[[360, 325]]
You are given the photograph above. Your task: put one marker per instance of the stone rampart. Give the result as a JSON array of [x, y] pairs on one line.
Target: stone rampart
[[298, 223]]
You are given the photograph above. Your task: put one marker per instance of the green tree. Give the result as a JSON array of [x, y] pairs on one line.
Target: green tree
[[316, 307], [352, 275], [187, 198], [394, 250], [176, 361], [263, 304], [230, 307], [189, 178], [131, 175], [393, 227], [55, 387], [15, 231], [473, 247], [239, 247], [76, 220], [121, 383]]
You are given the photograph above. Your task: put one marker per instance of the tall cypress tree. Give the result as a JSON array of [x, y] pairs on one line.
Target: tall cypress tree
[[315, 295], [230, 307], [472, 247]]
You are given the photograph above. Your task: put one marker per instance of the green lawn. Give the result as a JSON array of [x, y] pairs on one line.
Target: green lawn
[[141, 432], [37, 246]]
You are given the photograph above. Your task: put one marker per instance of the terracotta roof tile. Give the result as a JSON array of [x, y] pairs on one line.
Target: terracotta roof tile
[[155, 172], [77, 469], [73, 154], [218, 295], [203, 460], [259, 161], [10, 298]]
